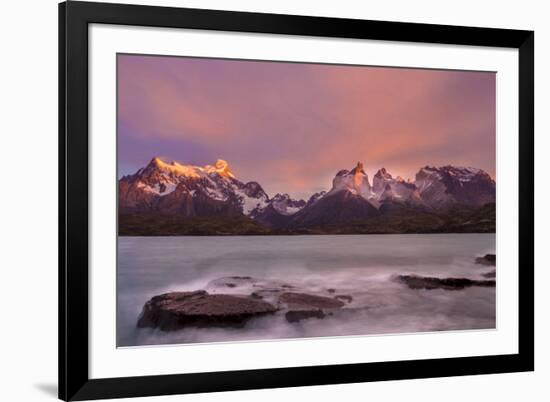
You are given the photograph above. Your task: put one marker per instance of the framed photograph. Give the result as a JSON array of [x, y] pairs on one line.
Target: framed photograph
[[257, 201]]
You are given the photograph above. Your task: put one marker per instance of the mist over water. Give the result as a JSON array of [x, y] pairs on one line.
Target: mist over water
[[361, 266]]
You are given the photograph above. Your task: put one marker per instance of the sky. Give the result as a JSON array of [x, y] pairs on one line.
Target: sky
[[292, 126]]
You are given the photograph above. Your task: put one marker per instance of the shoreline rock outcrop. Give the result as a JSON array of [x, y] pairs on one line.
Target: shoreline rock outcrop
[[301, 306], [487, 259], [176, 310], [429, 283], [232, 301]]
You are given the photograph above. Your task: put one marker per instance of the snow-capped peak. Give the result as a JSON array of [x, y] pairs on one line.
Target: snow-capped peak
[[175, 168], [387, 187], [355, 181], [358, 169], [221, 167], [281, 197], [461, 173], [380, 180], [383, 173], [285, 205], [441, 186], [195, 186]]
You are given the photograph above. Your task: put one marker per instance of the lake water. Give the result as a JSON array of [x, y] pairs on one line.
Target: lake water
[[363, 266]]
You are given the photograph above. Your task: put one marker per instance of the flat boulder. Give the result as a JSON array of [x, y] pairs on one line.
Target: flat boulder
[[177, 310], [304, 300], [301, 306], [426, 282], [487, 259], [266, 289]]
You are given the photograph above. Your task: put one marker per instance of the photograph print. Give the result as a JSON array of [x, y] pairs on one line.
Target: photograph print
[[264, 200]]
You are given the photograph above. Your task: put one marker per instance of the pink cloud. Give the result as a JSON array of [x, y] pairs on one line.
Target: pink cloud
[[292, 126]]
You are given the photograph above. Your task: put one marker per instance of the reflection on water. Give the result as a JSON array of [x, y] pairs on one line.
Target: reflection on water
[[358, 265]]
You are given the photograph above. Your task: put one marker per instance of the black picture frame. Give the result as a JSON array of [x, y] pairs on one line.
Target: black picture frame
[[74, 381]]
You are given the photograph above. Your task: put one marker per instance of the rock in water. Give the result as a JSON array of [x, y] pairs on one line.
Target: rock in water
[[345, 298], [299, 315], [422, 282], [304, 300], [176, 310], [487, 259], [302, 306]]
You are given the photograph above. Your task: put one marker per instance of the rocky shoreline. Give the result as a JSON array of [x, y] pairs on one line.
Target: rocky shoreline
[[425, 282], [201, 308], [233, 301]]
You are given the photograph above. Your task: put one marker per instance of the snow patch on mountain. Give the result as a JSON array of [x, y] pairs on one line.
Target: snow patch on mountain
[[251, 204], [442, 186], [461, 173], [386, 187], [285, 205], [315, 197]]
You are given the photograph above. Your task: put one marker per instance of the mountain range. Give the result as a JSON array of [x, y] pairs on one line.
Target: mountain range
[[176, 199]]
